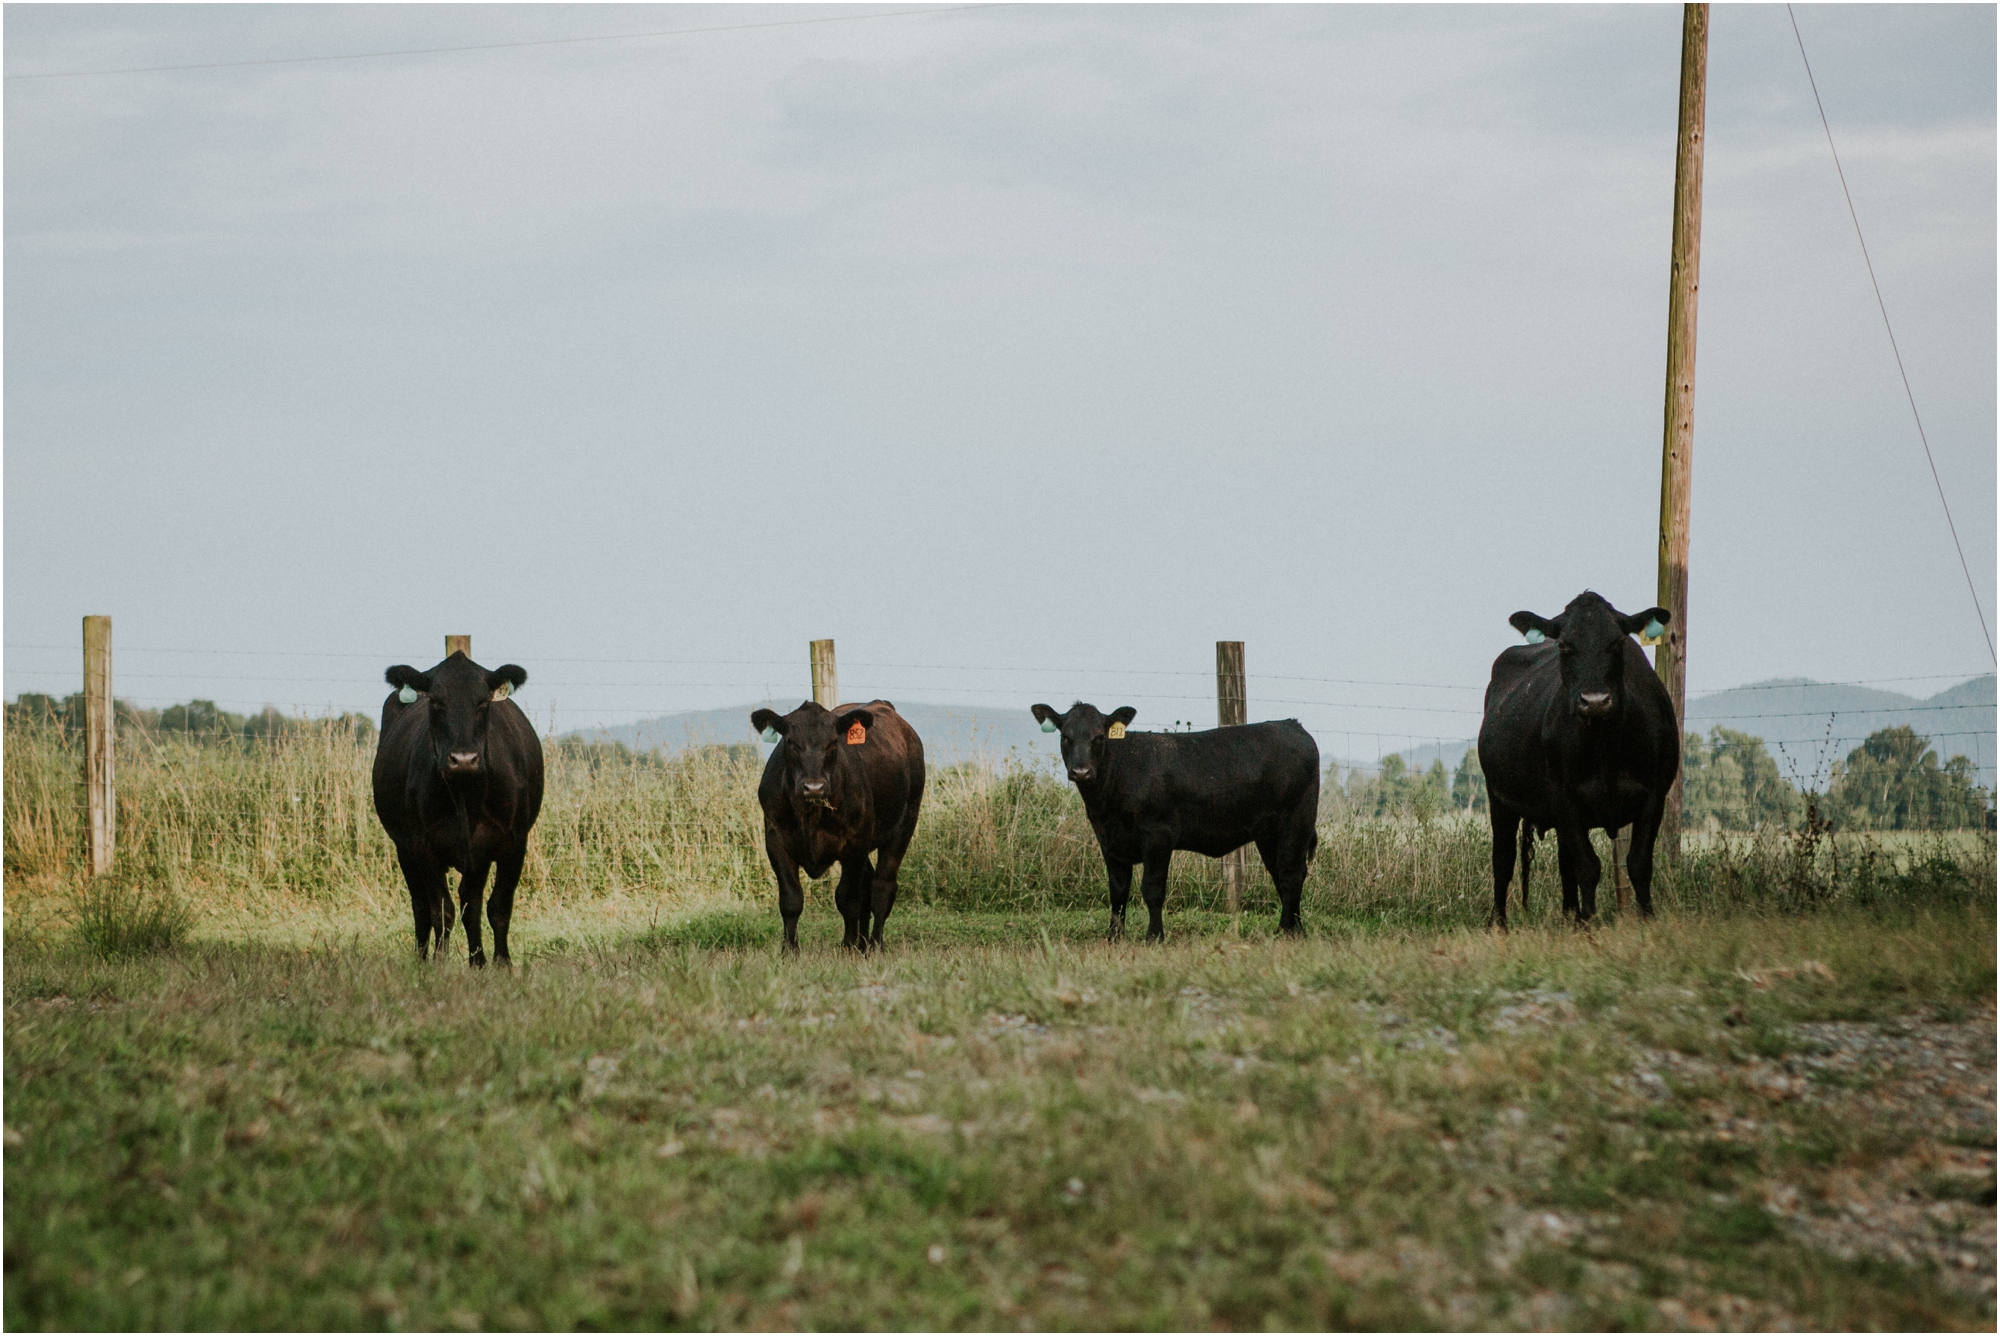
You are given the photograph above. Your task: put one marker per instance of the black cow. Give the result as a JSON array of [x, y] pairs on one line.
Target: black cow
[[841, 784], [1148, 794], [1579, 735], [458, 784]]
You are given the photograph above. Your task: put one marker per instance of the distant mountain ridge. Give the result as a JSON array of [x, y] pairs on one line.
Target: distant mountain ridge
[[952, 734], [1792, 715], [1808, 725]]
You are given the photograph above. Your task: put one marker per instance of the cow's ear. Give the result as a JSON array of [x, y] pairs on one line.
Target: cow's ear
[[769, 724], [1050, 717], [402, 675], [505, 680], [1124, 714], [1649, 623], [1535, 627]]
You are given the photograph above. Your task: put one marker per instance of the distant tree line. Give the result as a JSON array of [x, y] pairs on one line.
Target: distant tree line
[[198, 720], [1730, 781]]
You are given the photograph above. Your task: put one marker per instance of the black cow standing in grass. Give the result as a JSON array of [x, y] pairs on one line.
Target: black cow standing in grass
[[458, 784], [1148, 794], [840, 784], [1579, 735]]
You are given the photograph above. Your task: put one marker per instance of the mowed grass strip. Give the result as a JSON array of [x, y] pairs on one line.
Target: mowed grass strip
[[998, 1122]]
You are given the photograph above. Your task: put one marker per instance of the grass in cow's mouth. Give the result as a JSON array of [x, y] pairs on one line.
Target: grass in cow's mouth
[[993, 1125]]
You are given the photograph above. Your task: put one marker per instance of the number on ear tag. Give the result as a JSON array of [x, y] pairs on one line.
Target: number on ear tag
[[503, 691], [772, 736], [856, 734], [1533, 635], [1117, 731], [408, 695]]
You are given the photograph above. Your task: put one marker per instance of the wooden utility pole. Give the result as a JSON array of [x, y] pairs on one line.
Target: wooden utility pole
[[826, 682], [1677, 452], [1232, 706], [458, 645], [99, 726]]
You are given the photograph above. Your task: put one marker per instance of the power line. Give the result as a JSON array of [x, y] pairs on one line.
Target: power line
[[1884, 308], [494, 46]]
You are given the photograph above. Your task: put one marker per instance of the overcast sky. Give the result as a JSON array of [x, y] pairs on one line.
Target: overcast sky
[[1026, 351]]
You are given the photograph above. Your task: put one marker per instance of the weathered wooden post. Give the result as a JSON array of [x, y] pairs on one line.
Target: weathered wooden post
[[1232, 706], [826, 682], [100, 724], [1677, 451], [458, 645]]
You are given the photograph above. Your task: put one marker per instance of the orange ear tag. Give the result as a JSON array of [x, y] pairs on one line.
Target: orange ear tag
[[1116, 731], [856, 735]]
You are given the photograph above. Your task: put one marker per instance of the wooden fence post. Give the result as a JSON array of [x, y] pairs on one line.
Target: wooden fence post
[[826, 682], [458, 645], [1232, 707], [100, 724]]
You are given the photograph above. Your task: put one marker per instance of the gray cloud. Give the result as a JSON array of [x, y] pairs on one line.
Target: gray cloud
[[1070, 337]]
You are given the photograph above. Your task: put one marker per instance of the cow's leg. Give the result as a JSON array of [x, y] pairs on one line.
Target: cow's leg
[[882, 890], [1527, 861], [1284, 858], [1504, 821], [1589, 871], [472, 890], [886, 880], [1153, 886], [1121, 893], [1568, 862], [791, 895], [850, 896], [427, 898], [1639, 857], [500, 907]]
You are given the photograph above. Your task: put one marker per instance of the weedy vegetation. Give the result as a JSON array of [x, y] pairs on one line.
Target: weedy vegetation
[[235, 1099]]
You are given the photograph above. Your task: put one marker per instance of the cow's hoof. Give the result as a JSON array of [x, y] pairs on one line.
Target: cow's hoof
[[503, 962], [477, 962]]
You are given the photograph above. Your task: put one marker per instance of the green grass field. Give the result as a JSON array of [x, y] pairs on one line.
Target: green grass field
[[233, 1099]]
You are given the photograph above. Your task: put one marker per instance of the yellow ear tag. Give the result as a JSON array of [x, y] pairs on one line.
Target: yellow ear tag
[[856, 734], [1117, 731], [503, 691]]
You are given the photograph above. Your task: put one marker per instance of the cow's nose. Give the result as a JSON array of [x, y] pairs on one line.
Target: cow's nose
[[1080, 771], [1595, 702], [462, 761], [814, 787]]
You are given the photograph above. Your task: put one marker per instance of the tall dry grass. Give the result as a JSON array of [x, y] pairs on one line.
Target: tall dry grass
[[290, 822]]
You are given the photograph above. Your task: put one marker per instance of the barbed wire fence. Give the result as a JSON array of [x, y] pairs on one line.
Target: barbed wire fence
[[1356, 733]]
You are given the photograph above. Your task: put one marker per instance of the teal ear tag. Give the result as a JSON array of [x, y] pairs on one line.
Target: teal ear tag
[[1533, 635], [1652, 633], [1048, 725], [772, 735], [407, 695]]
